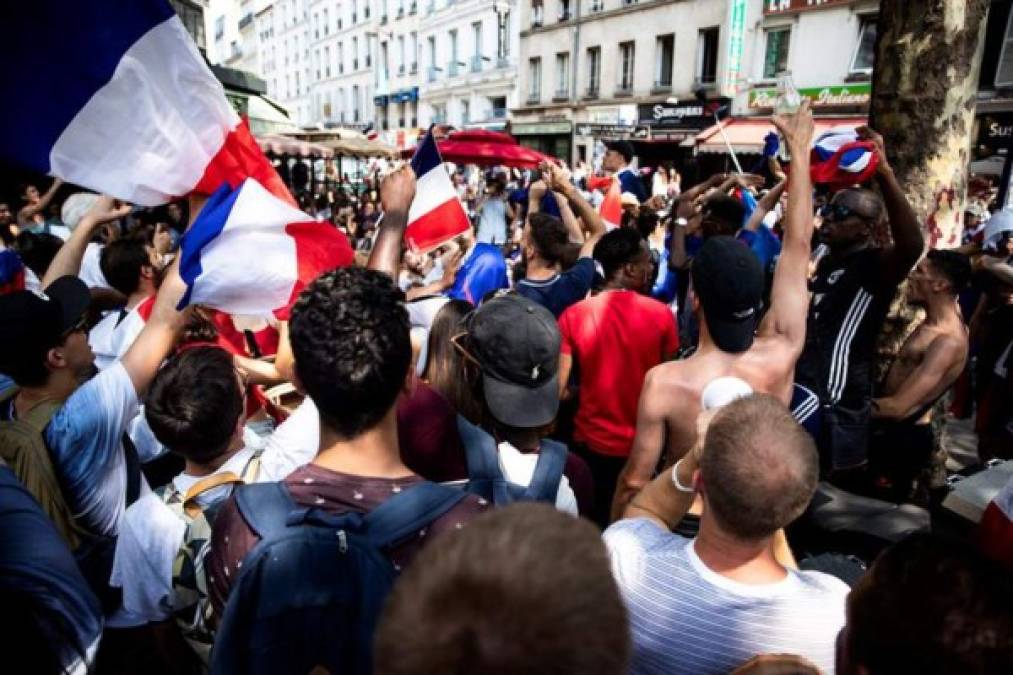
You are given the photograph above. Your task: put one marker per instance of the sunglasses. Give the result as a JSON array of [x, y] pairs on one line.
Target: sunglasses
[[838, 212], [457, 341]]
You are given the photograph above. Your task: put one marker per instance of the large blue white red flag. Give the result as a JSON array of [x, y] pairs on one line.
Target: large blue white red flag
[[250, 252], [436, 214], [119, 100]]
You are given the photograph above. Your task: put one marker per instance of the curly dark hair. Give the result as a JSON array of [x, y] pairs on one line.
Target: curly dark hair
[[349, 335], [616, 248], [549, 236]]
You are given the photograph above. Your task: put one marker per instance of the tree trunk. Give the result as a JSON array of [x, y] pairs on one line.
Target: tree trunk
[[925, 84], [924, 94]]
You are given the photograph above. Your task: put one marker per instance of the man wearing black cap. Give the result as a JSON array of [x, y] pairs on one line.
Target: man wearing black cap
[[617, 157], [44, 350], [515, 342], [729, 284]]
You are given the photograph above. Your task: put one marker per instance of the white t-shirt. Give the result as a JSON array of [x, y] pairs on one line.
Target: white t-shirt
[[85, 441], [686, 618], [151, 534], [519, 468], [91, 270]]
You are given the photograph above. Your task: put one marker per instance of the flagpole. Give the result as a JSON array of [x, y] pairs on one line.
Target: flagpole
[[728, 145]]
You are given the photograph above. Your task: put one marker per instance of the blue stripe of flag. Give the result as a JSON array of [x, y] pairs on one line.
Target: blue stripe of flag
[[427, 155], [59, 53], [208, 225]]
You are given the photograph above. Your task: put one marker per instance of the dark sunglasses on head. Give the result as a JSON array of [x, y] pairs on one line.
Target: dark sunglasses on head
[[838, 212]]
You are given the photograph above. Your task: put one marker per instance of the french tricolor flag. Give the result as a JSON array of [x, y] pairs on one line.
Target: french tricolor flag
[[611, 208], [436, 214], [250, 252], [840, 160], [121, 101]]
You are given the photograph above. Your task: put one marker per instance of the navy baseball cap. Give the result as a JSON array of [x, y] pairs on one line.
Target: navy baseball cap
[[30, 322], [728, 279]]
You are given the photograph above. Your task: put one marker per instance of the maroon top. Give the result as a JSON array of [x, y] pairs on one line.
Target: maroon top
[[334, 492]]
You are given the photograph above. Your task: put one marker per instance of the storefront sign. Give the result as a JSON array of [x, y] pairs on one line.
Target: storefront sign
[[788, 6], [994, 131], [846, 96], [603, 130], [682, 115], [405, 95], [540, 128], [736, 45], [380, 100]]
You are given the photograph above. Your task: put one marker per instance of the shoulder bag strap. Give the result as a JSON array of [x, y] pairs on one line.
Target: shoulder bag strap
[[480, 452], [265, 507], [190, 505], [545, 481], [409, 511]]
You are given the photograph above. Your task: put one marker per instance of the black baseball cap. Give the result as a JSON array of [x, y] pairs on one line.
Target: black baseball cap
[[728, 279], [32, 322], [624, 148], [516, 342]]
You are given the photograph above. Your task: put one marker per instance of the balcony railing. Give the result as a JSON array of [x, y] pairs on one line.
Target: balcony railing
[[413, 8], [498, 113], [476, 64], [246, 20], [413, 69], [533, 97], [622, 90], [561, 95], [440, 118], [503, 62], [662, 86], [431, 74], [452, 69], [592, 92]]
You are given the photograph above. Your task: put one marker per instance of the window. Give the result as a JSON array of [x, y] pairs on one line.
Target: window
[[316, 25], [865, 52], [465, 112], [316, 57], [401, 57], [432, 51], [597, 5], [562, 75], [219, 28], [414, 51], [564, 10], [341, 58], [452, 66], [355, 103], [355, 53], [775, 57], [707, 56], [534, 80], [502, 36], [1004, 70], [665, 51], [626, 53], [476, 55], [536, 13], [593, 71], [327, 29]]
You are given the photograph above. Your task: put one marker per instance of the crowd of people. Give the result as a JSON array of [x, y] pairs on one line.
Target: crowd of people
[[551, 445]]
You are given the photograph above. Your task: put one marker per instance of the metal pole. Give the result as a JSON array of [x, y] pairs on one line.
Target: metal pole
[[728, 145]]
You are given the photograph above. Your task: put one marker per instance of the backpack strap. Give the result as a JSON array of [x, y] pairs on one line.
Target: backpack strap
[[265, 507], [133, 466], [480, 452], [190, 506], [408, 512], [544, 483]]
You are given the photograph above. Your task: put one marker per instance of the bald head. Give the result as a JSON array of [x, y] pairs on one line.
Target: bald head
[[759, 467], [865, 203]]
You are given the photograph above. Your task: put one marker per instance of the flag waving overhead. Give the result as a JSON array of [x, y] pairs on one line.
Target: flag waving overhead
[[249, 252], [840, 160], [121, 101], [436, 214]]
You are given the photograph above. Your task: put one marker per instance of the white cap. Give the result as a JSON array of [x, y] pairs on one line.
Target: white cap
[[1001, 221], [75, 206], [723, 390]]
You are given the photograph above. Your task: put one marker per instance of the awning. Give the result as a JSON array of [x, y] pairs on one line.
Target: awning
[[359, 147], [267, 117], [283, 145], [745, 134]]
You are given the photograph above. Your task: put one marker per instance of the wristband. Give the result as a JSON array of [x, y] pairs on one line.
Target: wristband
[[681, 222], [675, 479]]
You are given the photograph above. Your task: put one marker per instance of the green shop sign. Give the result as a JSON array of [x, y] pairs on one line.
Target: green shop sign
[[846, 96]]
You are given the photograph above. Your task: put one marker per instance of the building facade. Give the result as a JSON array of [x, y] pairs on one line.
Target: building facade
[[469, 55]]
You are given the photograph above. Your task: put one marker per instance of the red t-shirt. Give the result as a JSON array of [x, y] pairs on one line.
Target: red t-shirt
[[614, 339]]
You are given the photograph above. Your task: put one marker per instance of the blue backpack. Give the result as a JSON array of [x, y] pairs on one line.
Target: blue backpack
[[310, 593], [486, 480]]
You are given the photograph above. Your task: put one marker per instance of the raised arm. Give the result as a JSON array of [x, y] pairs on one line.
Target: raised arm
[[925, 383], [685, 211], [159, 334], [68, 259], [576, 234], [396, 194], [560, 183], [908, 242], [789, 297], [29, 211], [764, 206]]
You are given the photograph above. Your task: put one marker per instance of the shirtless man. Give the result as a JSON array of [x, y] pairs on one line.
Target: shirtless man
[[930, 361], [729, 288]]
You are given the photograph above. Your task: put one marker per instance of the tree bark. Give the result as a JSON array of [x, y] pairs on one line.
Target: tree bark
[[925, 85]]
